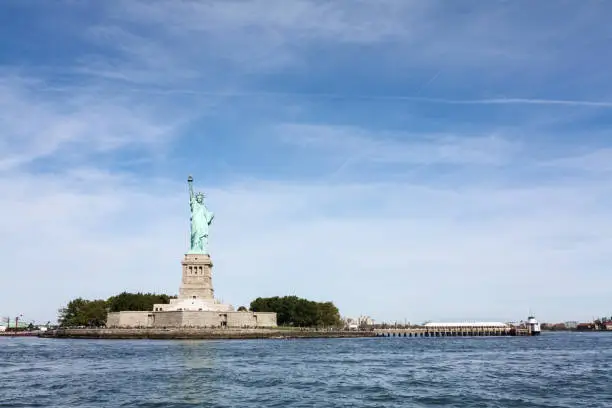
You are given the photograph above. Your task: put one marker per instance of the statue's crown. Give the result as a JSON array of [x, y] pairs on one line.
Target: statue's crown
[[199, 194]]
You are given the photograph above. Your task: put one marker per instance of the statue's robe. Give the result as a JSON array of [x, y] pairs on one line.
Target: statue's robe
[[200, 221]]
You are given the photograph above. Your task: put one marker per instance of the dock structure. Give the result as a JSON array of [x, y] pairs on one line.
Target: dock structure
[[456, 330]]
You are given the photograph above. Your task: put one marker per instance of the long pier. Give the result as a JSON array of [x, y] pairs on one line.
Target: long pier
[[450, 331], [19, 334]]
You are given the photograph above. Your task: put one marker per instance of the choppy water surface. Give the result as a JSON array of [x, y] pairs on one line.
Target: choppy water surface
[[554, 370]]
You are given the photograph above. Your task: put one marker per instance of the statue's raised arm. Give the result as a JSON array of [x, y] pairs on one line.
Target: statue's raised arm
[[190, 183]]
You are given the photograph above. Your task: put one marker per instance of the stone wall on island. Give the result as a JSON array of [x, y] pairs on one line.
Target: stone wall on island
[[128, 319], [186, 333], [189, 318]]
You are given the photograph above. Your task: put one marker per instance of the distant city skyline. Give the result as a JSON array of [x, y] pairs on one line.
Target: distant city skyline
[[418, 160]]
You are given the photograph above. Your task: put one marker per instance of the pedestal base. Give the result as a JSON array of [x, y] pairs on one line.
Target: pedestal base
[[195, 305]]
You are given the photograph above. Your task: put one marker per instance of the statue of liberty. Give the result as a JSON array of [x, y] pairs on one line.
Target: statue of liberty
[[201, 219]]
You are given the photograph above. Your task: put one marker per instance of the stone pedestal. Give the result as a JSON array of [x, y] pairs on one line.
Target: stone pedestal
[[196, 291], [196, 282]]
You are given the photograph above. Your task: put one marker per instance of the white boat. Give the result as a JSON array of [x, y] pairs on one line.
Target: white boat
[[533, 326]]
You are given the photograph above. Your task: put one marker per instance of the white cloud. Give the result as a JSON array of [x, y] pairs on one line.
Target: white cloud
[[202, 37], [356, 147], [355, 21], [76, 122], [221, 48], [136, 59], [596, 161]]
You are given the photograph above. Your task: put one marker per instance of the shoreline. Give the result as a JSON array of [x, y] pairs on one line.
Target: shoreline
[[199, 334], [209, 334]]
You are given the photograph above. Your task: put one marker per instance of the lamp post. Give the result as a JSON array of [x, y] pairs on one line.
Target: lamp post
[[17, 322]]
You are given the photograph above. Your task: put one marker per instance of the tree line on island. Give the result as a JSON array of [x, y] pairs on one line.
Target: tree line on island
[[298, 312], [83, 312], [290, 310]]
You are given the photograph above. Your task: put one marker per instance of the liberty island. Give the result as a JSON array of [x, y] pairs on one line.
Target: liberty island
[[195, 305], [196, 313]]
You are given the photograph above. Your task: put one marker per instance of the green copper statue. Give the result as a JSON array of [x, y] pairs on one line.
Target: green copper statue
[[201, 219]]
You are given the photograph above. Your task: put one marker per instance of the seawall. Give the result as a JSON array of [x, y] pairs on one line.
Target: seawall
[[199, 334]]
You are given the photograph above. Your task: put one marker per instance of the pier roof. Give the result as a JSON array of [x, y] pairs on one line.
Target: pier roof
[[466, 324]]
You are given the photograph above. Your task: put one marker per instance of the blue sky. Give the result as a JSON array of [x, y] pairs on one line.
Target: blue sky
[[406, 159]]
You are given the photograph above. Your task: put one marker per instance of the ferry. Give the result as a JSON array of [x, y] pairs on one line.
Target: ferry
[[533, 326]]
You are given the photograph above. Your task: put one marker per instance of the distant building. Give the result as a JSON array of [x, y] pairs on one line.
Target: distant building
[[571, 324], [554, 326], [608, 325], [351, 323], [586, 326], [365, 321], [11, 324]]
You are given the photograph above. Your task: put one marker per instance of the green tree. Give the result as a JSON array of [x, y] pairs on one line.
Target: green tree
[[82, 312], [329, 314], [135, 301], [295, 311]]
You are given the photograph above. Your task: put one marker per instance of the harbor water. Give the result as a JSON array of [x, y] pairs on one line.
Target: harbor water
[[552, 370]]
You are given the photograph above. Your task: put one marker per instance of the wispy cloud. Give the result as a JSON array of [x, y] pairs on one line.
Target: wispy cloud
[[357, 97], [74, 124], [596, 161], [523, 101], [262, 36], [307, 19], [357, 146]]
